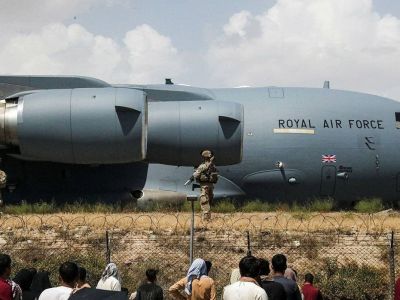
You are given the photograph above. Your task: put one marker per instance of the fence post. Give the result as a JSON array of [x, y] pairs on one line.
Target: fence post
[[248, 244], [108, 251], [191, 245], [391, 266]]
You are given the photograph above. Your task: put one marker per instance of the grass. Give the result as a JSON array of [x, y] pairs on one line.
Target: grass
[[371, 205], [53, 207]]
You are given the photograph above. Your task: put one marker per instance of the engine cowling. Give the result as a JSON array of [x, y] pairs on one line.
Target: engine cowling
[[117, 125], [178, 131], [81, 126]]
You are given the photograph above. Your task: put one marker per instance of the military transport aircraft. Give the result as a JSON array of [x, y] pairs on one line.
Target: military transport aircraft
[[79, 137]]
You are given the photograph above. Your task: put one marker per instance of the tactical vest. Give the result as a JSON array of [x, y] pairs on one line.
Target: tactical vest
[[210, 175]]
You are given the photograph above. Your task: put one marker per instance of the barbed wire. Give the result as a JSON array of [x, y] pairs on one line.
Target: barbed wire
[[339, 223], [313, 242]]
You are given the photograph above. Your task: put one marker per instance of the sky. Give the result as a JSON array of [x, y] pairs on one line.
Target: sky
[[210, 43]]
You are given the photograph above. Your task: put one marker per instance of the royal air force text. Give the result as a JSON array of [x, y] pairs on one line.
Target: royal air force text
[[329, 123]]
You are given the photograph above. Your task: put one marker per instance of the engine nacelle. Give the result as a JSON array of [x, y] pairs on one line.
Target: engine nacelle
[[117, 125], [179, 130], [81, 126]]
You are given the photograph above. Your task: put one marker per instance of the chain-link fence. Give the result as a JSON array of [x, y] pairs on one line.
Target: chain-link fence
[[352, 256]]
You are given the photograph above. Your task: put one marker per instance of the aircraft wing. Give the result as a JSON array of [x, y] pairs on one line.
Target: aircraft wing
[[10, 85]]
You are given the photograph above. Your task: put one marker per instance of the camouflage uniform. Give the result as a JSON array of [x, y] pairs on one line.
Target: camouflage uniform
[[206, 184]]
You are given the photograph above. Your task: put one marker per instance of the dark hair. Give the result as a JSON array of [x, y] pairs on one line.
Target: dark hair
[[249, 266], [82, 274], [5, 263], [24, 278], [69, 272], [264, 267], [279, 263], [208, 265], [151, 275], [309, 278]]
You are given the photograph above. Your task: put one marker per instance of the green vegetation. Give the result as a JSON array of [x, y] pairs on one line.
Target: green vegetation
[[371, 205], [321, 205], [301, 210], [52, 207], [351, 281], [224, 206]]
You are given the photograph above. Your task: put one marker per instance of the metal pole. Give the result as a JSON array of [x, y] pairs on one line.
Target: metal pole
[[191, 232], [108, 251], [248, 244], [391, 266]]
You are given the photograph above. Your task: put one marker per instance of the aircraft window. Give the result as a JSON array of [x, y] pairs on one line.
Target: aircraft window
[[397, 114]]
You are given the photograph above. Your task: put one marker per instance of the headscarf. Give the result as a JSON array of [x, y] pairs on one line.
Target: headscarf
[[40, 282], [24, 278], [290, 274], [196, 271], [16, 290], [111, 270]]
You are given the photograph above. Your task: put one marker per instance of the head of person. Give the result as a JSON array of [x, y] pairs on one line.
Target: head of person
[[111, 270], [69, 273], [151, 275], [40, 282], [279, 263], [82, 276], [208, 266], [309, 278], [24, 278], [5, 265], [249, 266], [264, 267], [197, 269], [290, 274], [207, 154]]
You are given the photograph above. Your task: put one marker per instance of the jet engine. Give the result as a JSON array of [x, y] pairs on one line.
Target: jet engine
[[81, 126], [117, 125]]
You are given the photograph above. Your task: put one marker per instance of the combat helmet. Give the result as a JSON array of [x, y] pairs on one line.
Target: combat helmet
[[206, 154]]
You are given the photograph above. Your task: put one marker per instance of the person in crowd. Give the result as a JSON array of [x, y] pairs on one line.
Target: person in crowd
[[397, 289], [40, 282], [279, 265], [82, 282], [290, 274], [68, 276], [309, 291], [5, 271], [16, 290], [24, 279], [196, 285], [150, 290], [274, 290], [235, 275], [110, 280], [247, 288]]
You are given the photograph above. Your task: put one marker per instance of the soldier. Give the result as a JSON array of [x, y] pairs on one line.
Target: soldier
[[206, 175]]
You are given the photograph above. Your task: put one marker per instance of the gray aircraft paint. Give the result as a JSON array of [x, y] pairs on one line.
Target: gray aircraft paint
[[295, 126]]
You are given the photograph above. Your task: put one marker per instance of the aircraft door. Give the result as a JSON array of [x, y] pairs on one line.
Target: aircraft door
[[328, 181]]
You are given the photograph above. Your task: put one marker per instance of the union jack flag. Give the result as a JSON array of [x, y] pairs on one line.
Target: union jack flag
[[329, 158]]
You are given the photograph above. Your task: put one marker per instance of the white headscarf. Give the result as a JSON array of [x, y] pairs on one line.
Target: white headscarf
[[196, 271], [110, 270]]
